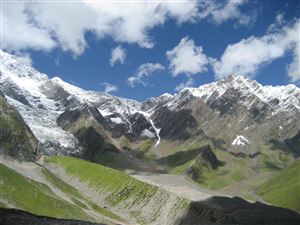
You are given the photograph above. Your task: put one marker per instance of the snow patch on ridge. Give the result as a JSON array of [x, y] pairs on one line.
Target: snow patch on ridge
[[240, 140], [105, 112], [147, 133], [116, 120]]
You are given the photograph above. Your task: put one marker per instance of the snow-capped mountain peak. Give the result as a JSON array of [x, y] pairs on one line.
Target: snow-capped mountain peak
[[41, 101], [284, 97]]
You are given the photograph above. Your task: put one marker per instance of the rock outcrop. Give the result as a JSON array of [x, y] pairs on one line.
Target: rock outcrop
[[16, 138]]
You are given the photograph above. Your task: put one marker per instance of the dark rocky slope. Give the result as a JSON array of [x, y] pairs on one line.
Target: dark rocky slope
[[205, 160], [16, 139], [85, 124], [236, 211], [20, 217]]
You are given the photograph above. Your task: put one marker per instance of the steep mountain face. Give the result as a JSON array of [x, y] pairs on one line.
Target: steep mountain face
[[244, 107], [41, 100], [16, 139], [238, 107], [22, 86], [237, 112], [84, 123]]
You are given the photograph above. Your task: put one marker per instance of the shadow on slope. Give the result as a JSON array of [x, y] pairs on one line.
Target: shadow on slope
[[19, 217], [181, 157], [235, 211]]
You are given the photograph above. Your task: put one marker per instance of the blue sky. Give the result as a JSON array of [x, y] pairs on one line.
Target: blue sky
[[259, 39]]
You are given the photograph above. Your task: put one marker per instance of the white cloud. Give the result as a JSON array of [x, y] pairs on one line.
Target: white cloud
[[293, 70], [118, 54], [249, 55], [187, 58], [19, 33], [144, 71], [188, 83], [231, 10], [43, 25], [108, 88], [223, 11]]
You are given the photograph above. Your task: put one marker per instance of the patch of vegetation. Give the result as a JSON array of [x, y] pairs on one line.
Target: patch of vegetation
[[211, 179], [16, 140], [269, 163], [119, 191], [124, 143], [182, 157], [145, 145], [284, 188], [273, 160], [137, 214], [143, 150], [2, 205], [110, 159], [249, 196], [234, 169], [79, 203], [63, 186], [238, 176], [181, 169], [107, 213], [119, 186], [35, 197], [76, 195]]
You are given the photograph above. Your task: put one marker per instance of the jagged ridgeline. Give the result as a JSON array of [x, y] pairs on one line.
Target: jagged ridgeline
[[173, 159]]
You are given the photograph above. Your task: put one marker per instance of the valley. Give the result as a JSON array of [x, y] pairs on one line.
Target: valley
[[222, 153]]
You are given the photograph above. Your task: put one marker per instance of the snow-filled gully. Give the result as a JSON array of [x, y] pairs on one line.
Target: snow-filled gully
[[157, 130]]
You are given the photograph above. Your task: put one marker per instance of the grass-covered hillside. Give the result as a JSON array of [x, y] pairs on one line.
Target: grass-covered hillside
[[24, 193], [284, 188], [136, 201]]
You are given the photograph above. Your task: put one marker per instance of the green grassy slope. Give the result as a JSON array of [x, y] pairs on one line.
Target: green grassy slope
[[233, 171], [79, 199], [284, 188], [136, 200], [35, 197], [103, 178]]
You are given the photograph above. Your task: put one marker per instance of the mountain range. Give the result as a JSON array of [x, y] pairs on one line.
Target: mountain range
[[231, 137]]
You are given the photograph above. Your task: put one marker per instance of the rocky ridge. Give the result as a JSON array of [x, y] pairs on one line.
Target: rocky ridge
[[236, 105]]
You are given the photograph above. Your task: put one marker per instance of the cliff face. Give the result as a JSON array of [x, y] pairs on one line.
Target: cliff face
[[16, 139]]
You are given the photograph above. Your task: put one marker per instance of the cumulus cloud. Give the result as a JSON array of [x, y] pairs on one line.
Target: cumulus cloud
[[108, 88], [43, 25], [187, 58], [188, 83], [249, 55], [19, 33], [222, 11], [230, 10], [145, 70], [118, 54]]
